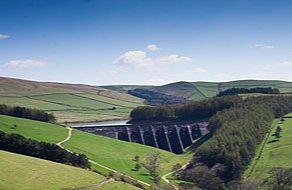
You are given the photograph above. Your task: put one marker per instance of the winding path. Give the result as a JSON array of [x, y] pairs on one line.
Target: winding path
[[67, 138], [95, 185], [95, 163], [164, 177]]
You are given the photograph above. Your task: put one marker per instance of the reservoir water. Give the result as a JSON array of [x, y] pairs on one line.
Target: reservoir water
[[102, 123]]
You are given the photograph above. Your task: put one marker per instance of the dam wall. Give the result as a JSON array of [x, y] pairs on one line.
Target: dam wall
[[173, 137]]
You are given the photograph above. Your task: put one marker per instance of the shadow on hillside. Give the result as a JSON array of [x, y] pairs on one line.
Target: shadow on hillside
[[272, 141]]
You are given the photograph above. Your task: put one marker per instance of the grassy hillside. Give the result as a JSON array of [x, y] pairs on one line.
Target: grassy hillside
[[115, 185], [21, 172], [202, 90], [84, 103], [274, 154], [69, 102], [112, 153], [40, 131], [119, 154]]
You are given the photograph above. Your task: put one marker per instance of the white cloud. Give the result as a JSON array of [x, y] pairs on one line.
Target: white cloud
[[28, 63], [3, 37], [134, 58], [153, 47], [261, 46], [140, 59], [172, 59], [286, 64]]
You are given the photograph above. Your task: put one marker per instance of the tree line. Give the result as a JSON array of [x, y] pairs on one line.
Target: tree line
[[157, 98], [27, 113], [236, 133], [192, 111], [262, 90], [18, 144]]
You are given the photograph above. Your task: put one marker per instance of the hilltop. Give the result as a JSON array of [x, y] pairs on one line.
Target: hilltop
[[86, 103], [68, 102], [203, 90]]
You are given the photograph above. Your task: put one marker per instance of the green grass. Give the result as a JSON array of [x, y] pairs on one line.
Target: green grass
[[209, 89], [275, 154], [118, 155], [73, 101], [69, 102], [202, 90], [114, 185], [40, 131], [79, 107], [31, 103], [112, 153], [19, 172], [112, 101]]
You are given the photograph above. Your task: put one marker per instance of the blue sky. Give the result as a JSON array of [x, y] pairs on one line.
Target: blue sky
[[145, 42]]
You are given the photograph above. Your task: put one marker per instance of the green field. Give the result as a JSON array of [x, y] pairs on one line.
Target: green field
[[21, 172], [115, 185], [75, 107], [40, 131], [119, 154], [68, 102], [203, 90], [275, 154], [109, 152]]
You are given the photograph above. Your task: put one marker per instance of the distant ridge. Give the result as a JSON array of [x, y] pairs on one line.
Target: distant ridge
[[201, 90], [13, 86], [68, 102]]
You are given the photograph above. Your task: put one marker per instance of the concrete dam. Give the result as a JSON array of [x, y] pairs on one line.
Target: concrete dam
[[174, 137]]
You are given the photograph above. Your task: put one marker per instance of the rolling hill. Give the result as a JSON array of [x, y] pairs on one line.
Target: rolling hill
[[85, 103], [24, 172], [109, 152], [68, 102], [273, 153], [203, 90]]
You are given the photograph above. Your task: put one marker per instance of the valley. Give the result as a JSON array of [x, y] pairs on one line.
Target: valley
[[177, 132], [109, 152], [145, 95]]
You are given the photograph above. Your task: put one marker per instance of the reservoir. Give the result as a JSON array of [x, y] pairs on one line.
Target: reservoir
[[102, 124]]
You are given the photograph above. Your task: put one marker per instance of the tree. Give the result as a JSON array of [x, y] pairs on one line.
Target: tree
[[277, 132], [203, 177], [281, 178], [279, 129], [235, 132], [245, 185], [136, 158], [137, 167], [152, 166]]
